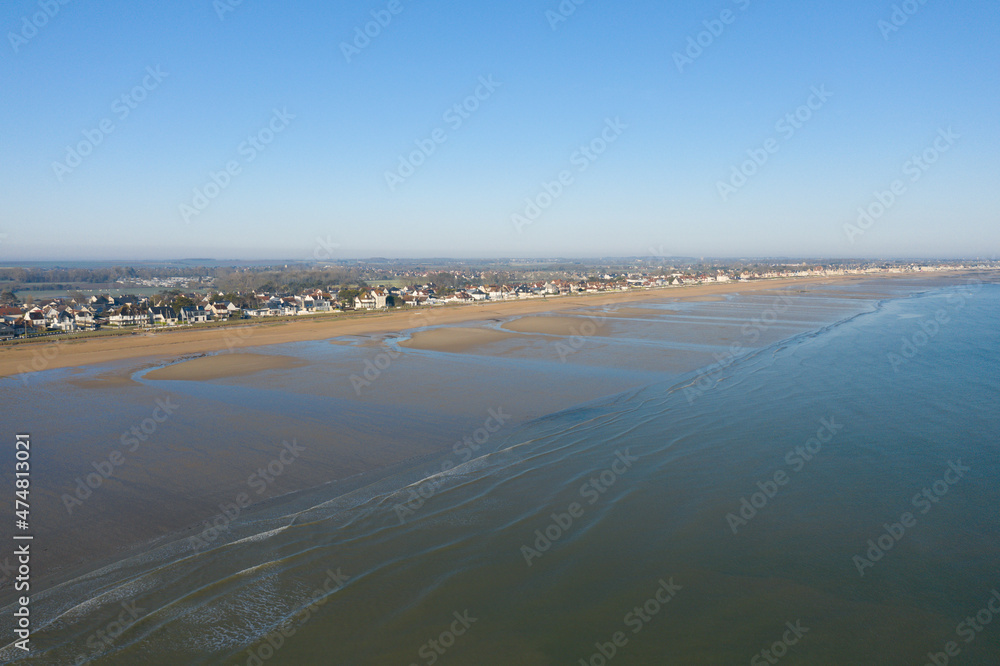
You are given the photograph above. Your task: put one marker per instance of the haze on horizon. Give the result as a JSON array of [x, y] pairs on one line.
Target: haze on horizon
[[257, 130]]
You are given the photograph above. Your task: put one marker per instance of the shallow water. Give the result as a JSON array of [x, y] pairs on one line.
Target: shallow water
[[622, 514]]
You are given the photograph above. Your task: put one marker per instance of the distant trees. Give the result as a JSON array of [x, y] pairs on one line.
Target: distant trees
[[347, 296], [166, 297], [444, 280], [239, 281], [180, 302], [8, 297], [93, 275], [290, 280], [239, 300], [497, 277]]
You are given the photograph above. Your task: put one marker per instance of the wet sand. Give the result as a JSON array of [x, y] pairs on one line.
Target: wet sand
[[222, 366], [455, 340], [640, 312], [26, 358], [593, 325]]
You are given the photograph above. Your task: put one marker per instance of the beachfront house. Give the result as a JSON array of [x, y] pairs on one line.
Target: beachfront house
[[10, 313], [129, 314], [221, 310], [193, 315], [290, 306], [316, 302], [35, 319], [373, 299], [84, 317], [65, 320], [165, 316]]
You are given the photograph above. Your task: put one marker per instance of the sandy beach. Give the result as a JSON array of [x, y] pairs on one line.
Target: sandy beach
[[21, 358]]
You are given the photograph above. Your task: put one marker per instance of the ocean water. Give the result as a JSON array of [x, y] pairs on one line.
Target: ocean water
[[828, 496]]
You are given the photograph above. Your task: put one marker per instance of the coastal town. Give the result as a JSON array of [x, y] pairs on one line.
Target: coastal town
[[173, 306]]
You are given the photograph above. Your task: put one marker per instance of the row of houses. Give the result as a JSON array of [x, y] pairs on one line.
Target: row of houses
[[138, 311], [131, 311], [52, 317]]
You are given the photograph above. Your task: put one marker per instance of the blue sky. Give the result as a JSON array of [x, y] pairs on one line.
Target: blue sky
[[339, 176]]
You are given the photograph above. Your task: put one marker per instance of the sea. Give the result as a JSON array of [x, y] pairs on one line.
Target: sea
[[822, 488]]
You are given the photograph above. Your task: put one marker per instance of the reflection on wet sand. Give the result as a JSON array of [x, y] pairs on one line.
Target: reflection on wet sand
[[224, 365]]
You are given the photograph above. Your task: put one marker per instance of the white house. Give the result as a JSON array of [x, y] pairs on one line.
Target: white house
[[222, 310], [163, 315], [193, 315], [374, 299], [128, 315]]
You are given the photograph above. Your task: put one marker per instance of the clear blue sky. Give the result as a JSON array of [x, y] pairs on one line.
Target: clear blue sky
[[654, 190]]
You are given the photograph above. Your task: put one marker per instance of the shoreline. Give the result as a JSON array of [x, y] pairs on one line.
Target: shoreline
[[41, 356], [186, 521]]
